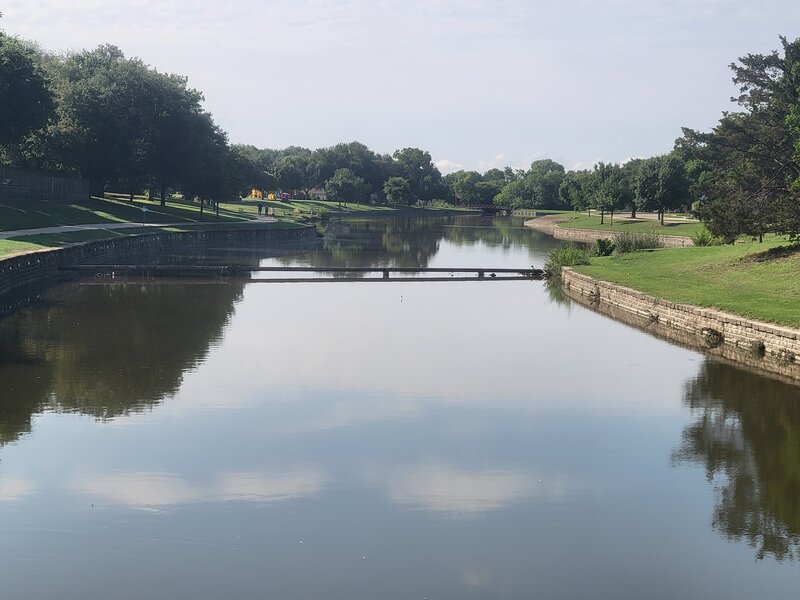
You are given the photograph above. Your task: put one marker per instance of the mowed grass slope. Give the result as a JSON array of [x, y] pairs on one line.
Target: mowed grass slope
[[730, 278], [625, 223], [31, 243], [33, 214]]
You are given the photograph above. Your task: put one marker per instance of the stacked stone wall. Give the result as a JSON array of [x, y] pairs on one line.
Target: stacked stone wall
[[39, 267], [746, 342]]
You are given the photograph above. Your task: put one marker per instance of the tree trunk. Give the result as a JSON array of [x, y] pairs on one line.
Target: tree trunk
[[633, 212], [163, 195], [602, 216], [612, 217]]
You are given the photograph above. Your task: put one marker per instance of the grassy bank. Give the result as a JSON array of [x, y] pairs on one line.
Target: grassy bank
[[739, 279], [624, 223], [32, 214], [32, 243]]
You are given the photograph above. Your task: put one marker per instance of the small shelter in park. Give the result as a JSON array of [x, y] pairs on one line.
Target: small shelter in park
[[33, 184]]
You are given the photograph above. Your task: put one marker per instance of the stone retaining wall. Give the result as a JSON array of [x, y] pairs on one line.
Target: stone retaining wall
[[550, 226], [745, 342], [36, 268]]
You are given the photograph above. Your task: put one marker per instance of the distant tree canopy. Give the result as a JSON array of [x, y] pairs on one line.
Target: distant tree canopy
[[125, 126]]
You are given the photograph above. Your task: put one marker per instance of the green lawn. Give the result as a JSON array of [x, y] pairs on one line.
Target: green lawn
[[32, 214], [625, 223], [724, 277], [29, 243]]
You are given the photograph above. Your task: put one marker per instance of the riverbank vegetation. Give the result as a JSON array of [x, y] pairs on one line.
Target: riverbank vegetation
[[744, 278]]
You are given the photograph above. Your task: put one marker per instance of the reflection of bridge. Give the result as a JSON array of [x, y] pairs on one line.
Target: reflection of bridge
[[246, 271]]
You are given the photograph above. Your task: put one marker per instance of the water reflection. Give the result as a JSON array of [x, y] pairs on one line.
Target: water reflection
[[467, 492], [747, 437], [414, 241], [152, 491], [451, 440], [112, 350], [105, 351]]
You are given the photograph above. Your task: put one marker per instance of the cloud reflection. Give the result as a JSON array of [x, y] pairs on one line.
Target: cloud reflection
[[441, 488], [153, 491], [15, 489], [258, 487]]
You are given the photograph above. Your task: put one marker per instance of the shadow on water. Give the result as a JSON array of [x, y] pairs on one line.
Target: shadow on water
[[746, 435]]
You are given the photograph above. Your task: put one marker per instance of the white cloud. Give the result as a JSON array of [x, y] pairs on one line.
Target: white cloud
[[586, 165], [448, 166], [498, 162]]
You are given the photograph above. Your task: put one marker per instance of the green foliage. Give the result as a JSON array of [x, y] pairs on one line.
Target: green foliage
[[632, 242], [26, 100], [567, 256], [346, 186], [536, 188], [748, 166], [397, 190], [661, 184], [417, 168], [704, 237], [604, 247]]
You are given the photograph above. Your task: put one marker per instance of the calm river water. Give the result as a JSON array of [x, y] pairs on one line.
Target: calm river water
[[383, 440]]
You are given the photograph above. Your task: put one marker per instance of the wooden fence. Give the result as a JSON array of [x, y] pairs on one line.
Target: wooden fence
[[28, 184]]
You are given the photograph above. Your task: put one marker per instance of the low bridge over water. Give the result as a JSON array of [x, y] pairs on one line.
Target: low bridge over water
[[246, 271]]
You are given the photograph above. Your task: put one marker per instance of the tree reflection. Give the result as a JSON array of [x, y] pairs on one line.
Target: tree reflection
[[411, 241], [110, 350], [106, 351], [747, 436]]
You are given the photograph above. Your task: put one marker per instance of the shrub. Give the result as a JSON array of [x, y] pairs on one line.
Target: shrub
[[604, 247], [566, 256], [631, 242], [703, 237]]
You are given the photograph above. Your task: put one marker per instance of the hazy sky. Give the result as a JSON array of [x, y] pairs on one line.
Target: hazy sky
[[478, 83]]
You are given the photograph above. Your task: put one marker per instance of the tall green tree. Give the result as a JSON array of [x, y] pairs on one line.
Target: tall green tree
[[345, 186], [750, 160], [660, 184], [417, 167], [397, 190], [26, 101]]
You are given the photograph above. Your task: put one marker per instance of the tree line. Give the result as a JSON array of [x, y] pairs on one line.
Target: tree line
[[127, 127]]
